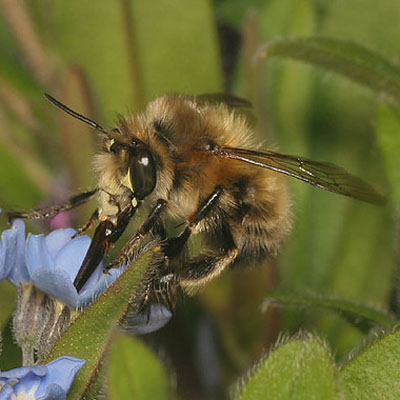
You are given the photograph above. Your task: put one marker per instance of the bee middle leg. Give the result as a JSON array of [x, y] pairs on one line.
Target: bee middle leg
[[197, 271], [152, 223]]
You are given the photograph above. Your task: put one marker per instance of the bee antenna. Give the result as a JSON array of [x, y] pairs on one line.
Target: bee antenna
[[74, 114]]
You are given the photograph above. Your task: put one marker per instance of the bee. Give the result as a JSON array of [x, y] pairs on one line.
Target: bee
[[193, 159]]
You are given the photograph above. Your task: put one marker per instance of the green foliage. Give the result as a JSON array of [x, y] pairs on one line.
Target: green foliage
[[374, 372], [133, 372], [343, 57], [298, 369], [361, 316], [96, 326], [387, 129]]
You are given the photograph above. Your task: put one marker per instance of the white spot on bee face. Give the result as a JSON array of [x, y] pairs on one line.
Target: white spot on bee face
[[134, 202], [145, 161]]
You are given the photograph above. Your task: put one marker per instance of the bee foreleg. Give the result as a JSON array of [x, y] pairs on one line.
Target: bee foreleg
[[50, 211], [128, 250], [84, 228]]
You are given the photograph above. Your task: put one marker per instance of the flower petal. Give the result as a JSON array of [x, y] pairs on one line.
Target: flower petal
[[19, 373], [57, 283], [13, 240], [71, 255], [37, 255], [41, 382], [152, 319], [97, 284], [57, 239], [60, 372], [6, 392]]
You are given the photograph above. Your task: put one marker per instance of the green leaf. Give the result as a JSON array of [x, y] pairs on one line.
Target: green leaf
[[361, 316], [388, 135], [299, 369], [375, 372], [346, 58], [133, 372], [89, 335], [8, 300]]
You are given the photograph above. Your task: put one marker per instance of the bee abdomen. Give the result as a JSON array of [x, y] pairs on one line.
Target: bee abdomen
[[263, 221]]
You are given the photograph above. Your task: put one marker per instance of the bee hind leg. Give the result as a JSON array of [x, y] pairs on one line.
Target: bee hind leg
[[203, 268]]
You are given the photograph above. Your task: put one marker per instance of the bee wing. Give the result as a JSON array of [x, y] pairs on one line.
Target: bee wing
[[321, 174], [228, 99]]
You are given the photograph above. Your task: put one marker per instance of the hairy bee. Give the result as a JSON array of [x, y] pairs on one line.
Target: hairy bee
[[192, 159]]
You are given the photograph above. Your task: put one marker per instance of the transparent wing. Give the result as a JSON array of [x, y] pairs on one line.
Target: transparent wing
[[321, 174]]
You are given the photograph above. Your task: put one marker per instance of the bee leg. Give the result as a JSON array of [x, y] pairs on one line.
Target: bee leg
[[175, 245], [204, 267], [46, 212], [84, 228], [128, 250]]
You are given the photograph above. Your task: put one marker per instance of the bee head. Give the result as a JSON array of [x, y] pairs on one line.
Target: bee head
[[140, 174]]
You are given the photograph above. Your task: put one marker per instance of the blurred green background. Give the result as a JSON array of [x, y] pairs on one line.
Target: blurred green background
[[108, 57]]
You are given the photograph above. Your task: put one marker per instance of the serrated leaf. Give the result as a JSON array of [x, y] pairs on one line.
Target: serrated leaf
[[388, 135], [361, 316], [299, 369], [346, 58], [374, 373], [133, 372], [89, 335]]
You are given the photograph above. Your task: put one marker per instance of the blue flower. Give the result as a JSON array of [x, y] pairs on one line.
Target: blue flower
[[51, 262], [40, 382], [150, 320], [12, 246]]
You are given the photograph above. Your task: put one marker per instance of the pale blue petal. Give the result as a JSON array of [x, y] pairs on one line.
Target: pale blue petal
[[70, 257], [52, 380], [58, 238], [6, 392], [18, 373], [97, 284], [8, 252], [15, 253], [37, 255], [60, 372], [53, 392], [149, 321], [57, 283]]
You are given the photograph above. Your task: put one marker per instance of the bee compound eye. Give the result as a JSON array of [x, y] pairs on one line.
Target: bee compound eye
[[143, 173]]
